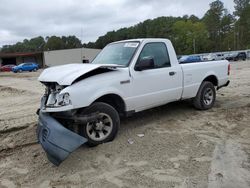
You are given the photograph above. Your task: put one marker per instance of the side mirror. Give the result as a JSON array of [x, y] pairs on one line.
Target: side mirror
[[145, 63]]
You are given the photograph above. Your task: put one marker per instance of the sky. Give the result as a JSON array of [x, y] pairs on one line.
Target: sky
[[20, 19]]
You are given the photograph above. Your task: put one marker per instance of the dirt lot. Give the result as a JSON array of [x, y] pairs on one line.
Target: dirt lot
[[181, 147]]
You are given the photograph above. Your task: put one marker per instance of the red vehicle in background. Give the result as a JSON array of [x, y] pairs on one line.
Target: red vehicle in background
[[6, 68]]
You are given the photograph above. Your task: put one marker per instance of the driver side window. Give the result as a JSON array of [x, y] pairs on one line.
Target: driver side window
[[157, 51]]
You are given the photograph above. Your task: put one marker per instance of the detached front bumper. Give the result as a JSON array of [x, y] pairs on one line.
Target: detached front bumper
[[57, 141]]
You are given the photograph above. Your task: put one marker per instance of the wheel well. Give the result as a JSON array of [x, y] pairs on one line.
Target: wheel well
[[115, 101], [212, 79]]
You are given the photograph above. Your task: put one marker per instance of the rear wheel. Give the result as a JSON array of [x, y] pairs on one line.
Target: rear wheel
[[205, 97], [105, 128]]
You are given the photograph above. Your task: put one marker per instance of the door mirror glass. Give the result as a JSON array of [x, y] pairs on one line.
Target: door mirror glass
[[145, 63]]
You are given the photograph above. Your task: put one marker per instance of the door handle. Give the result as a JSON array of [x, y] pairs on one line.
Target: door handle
[[172, 73]]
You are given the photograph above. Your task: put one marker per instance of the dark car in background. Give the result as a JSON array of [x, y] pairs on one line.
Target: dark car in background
[[25, 67], [190, 59], [236, 56], [6, 68]]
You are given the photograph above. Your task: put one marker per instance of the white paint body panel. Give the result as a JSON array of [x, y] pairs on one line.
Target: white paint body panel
[[85, 92], [143, 89], [195, 73]]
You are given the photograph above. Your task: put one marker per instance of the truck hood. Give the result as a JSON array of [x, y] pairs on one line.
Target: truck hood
[[67, 74]]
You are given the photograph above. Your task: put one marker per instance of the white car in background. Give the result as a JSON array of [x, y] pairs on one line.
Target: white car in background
[[213, 57]]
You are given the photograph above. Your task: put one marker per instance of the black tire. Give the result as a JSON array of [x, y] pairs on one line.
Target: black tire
[[20, 70], [205, 97], [110, 115]]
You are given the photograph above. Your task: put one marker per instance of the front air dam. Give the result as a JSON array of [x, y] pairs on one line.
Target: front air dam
[[57, 141]]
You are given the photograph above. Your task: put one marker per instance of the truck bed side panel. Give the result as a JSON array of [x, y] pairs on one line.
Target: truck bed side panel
[[195, 73]]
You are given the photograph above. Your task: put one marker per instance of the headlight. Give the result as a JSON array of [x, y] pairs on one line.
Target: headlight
[[64, 99]]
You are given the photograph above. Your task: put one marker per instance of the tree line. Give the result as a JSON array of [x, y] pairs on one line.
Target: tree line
[[39, 44], [217, 30]]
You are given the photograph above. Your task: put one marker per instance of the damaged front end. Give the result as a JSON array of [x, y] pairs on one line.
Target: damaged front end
[[59, 121], [54, 100], [57, 129]]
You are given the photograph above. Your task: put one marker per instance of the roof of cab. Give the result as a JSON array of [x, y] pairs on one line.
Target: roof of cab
[[140, 40]]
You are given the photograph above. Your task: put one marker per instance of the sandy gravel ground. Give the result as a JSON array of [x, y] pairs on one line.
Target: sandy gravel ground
[[181, 147]]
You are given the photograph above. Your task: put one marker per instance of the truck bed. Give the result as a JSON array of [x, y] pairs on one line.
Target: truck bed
[[194, 73]]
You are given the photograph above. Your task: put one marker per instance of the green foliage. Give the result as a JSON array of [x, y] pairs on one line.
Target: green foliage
[[71, 42], [32, 45], [190, 37], [160, 28], [40, 44], [214, 19], [242, 26], [54, 43], [240, 6]]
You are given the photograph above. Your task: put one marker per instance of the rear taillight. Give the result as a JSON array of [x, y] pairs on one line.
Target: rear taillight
[[228, 69]]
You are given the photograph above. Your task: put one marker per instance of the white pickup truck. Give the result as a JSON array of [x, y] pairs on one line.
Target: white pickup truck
[[83, 102]]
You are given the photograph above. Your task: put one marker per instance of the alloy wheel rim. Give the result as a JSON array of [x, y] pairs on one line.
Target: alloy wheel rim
[[208, 96], [100, 130]]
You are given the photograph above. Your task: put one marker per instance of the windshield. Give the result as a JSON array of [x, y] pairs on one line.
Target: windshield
[[118, 53]]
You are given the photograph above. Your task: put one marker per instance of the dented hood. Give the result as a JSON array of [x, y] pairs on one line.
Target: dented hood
[[67, 74]]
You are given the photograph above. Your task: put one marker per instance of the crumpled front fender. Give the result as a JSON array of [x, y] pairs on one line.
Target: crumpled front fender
[[57, 141]]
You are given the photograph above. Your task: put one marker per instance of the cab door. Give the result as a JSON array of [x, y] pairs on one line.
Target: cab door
[[160, 84]]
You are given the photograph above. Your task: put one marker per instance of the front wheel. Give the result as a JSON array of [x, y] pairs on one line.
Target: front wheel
[[205, 97], [105, 128]]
